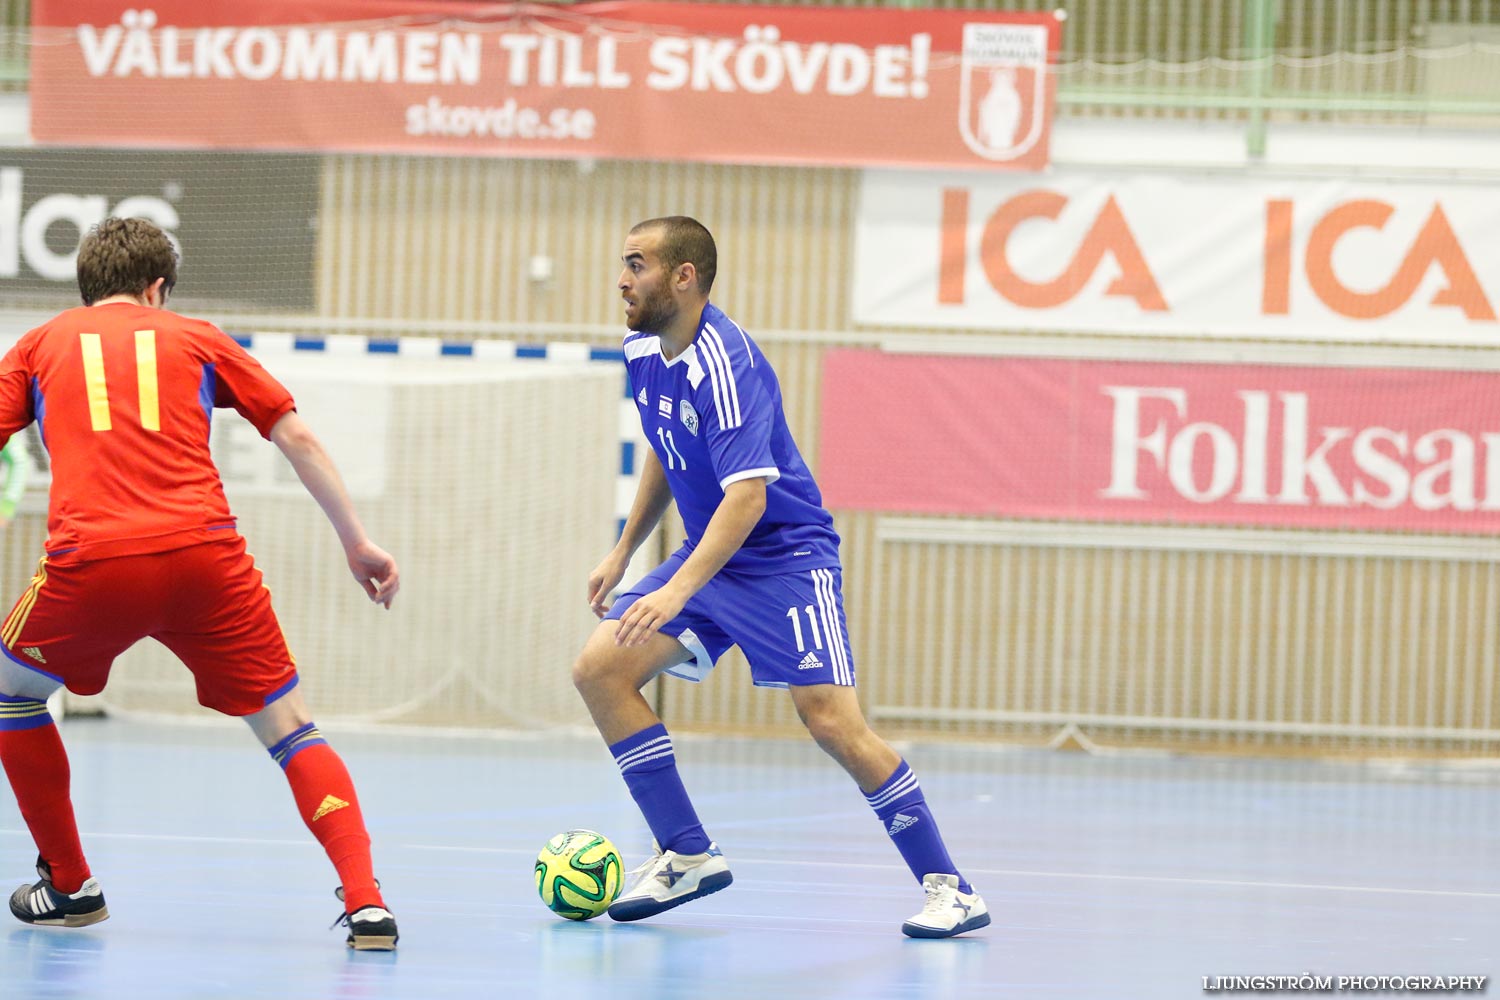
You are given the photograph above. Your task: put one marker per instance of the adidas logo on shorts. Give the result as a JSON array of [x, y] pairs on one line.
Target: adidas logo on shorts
[[810, 662], [900, 822]]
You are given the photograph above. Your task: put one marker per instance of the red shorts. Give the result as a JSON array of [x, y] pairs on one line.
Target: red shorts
[[206, 603]]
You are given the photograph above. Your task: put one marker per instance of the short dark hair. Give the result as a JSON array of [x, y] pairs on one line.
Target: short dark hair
[[123, 257], [686, 241]]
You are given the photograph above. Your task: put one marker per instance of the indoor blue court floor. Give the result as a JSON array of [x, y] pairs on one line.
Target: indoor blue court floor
[[1116, 876]]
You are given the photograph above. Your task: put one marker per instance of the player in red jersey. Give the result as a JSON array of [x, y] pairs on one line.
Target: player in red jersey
[[141, 543]]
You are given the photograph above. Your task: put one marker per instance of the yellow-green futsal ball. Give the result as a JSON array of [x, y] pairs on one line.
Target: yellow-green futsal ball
[[578, 874]]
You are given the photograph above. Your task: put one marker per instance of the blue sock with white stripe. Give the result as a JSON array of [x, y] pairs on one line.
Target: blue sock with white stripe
[[903, 812], [649, 766]]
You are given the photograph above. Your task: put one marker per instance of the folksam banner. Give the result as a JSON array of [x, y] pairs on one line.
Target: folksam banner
[[1358, 449], [658, 81]]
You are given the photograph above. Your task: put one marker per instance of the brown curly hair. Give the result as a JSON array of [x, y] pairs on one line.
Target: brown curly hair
[[123, 257]]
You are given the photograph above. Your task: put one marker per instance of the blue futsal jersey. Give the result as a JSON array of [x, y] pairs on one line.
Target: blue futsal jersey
[[713, 416]]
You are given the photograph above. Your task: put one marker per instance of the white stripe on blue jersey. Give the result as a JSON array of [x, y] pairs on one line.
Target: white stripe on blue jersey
[[713, 346], [713, 417], [745, 338], [714, 364]]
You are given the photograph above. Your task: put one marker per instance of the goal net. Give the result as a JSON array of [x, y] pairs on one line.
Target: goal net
[[493, 485]]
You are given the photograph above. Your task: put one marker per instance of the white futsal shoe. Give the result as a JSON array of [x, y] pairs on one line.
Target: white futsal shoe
[[670, 879], [948, 911]]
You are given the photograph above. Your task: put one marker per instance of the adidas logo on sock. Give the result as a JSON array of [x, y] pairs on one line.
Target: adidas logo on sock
[[810, 662], [330, 803], [901, 822]]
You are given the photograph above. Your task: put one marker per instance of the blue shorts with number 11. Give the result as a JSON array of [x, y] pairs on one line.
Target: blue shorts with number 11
[[790, 626]]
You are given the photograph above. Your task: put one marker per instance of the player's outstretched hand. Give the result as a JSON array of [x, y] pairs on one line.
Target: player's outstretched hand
[[375, 570], [602, 582]]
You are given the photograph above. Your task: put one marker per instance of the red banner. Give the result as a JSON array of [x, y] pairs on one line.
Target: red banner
[[1270, 446], [659, 81]]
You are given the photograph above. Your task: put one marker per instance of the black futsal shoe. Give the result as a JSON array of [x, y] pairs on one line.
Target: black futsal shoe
[[44, 905]]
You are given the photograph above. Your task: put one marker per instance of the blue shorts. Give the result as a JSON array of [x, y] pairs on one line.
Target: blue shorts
[[790, 626]]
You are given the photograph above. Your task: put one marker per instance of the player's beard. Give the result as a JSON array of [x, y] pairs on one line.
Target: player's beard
[[655, 312]]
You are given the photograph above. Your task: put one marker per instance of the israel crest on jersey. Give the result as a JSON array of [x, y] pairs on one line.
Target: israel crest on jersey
[[688, 416]]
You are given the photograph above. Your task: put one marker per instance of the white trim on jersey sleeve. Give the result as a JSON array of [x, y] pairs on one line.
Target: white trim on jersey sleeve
[[769, 474], [721, 375]]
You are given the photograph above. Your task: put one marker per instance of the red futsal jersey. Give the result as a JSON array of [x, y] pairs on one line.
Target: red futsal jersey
[[123, 395]]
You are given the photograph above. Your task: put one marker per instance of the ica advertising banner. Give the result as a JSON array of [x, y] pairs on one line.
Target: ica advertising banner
[[1081, 251], [1374, 449], [659, 81]]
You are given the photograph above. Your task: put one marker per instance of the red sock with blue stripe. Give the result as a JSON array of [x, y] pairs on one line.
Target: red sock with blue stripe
[[37, 765], [903, 812], [326, 800]]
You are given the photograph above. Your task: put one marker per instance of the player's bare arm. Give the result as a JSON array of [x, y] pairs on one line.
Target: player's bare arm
[[738, 513], [373, 567], [652, 497]]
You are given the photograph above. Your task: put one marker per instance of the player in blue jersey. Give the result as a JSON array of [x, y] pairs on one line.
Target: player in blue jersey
[[759, 569]]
